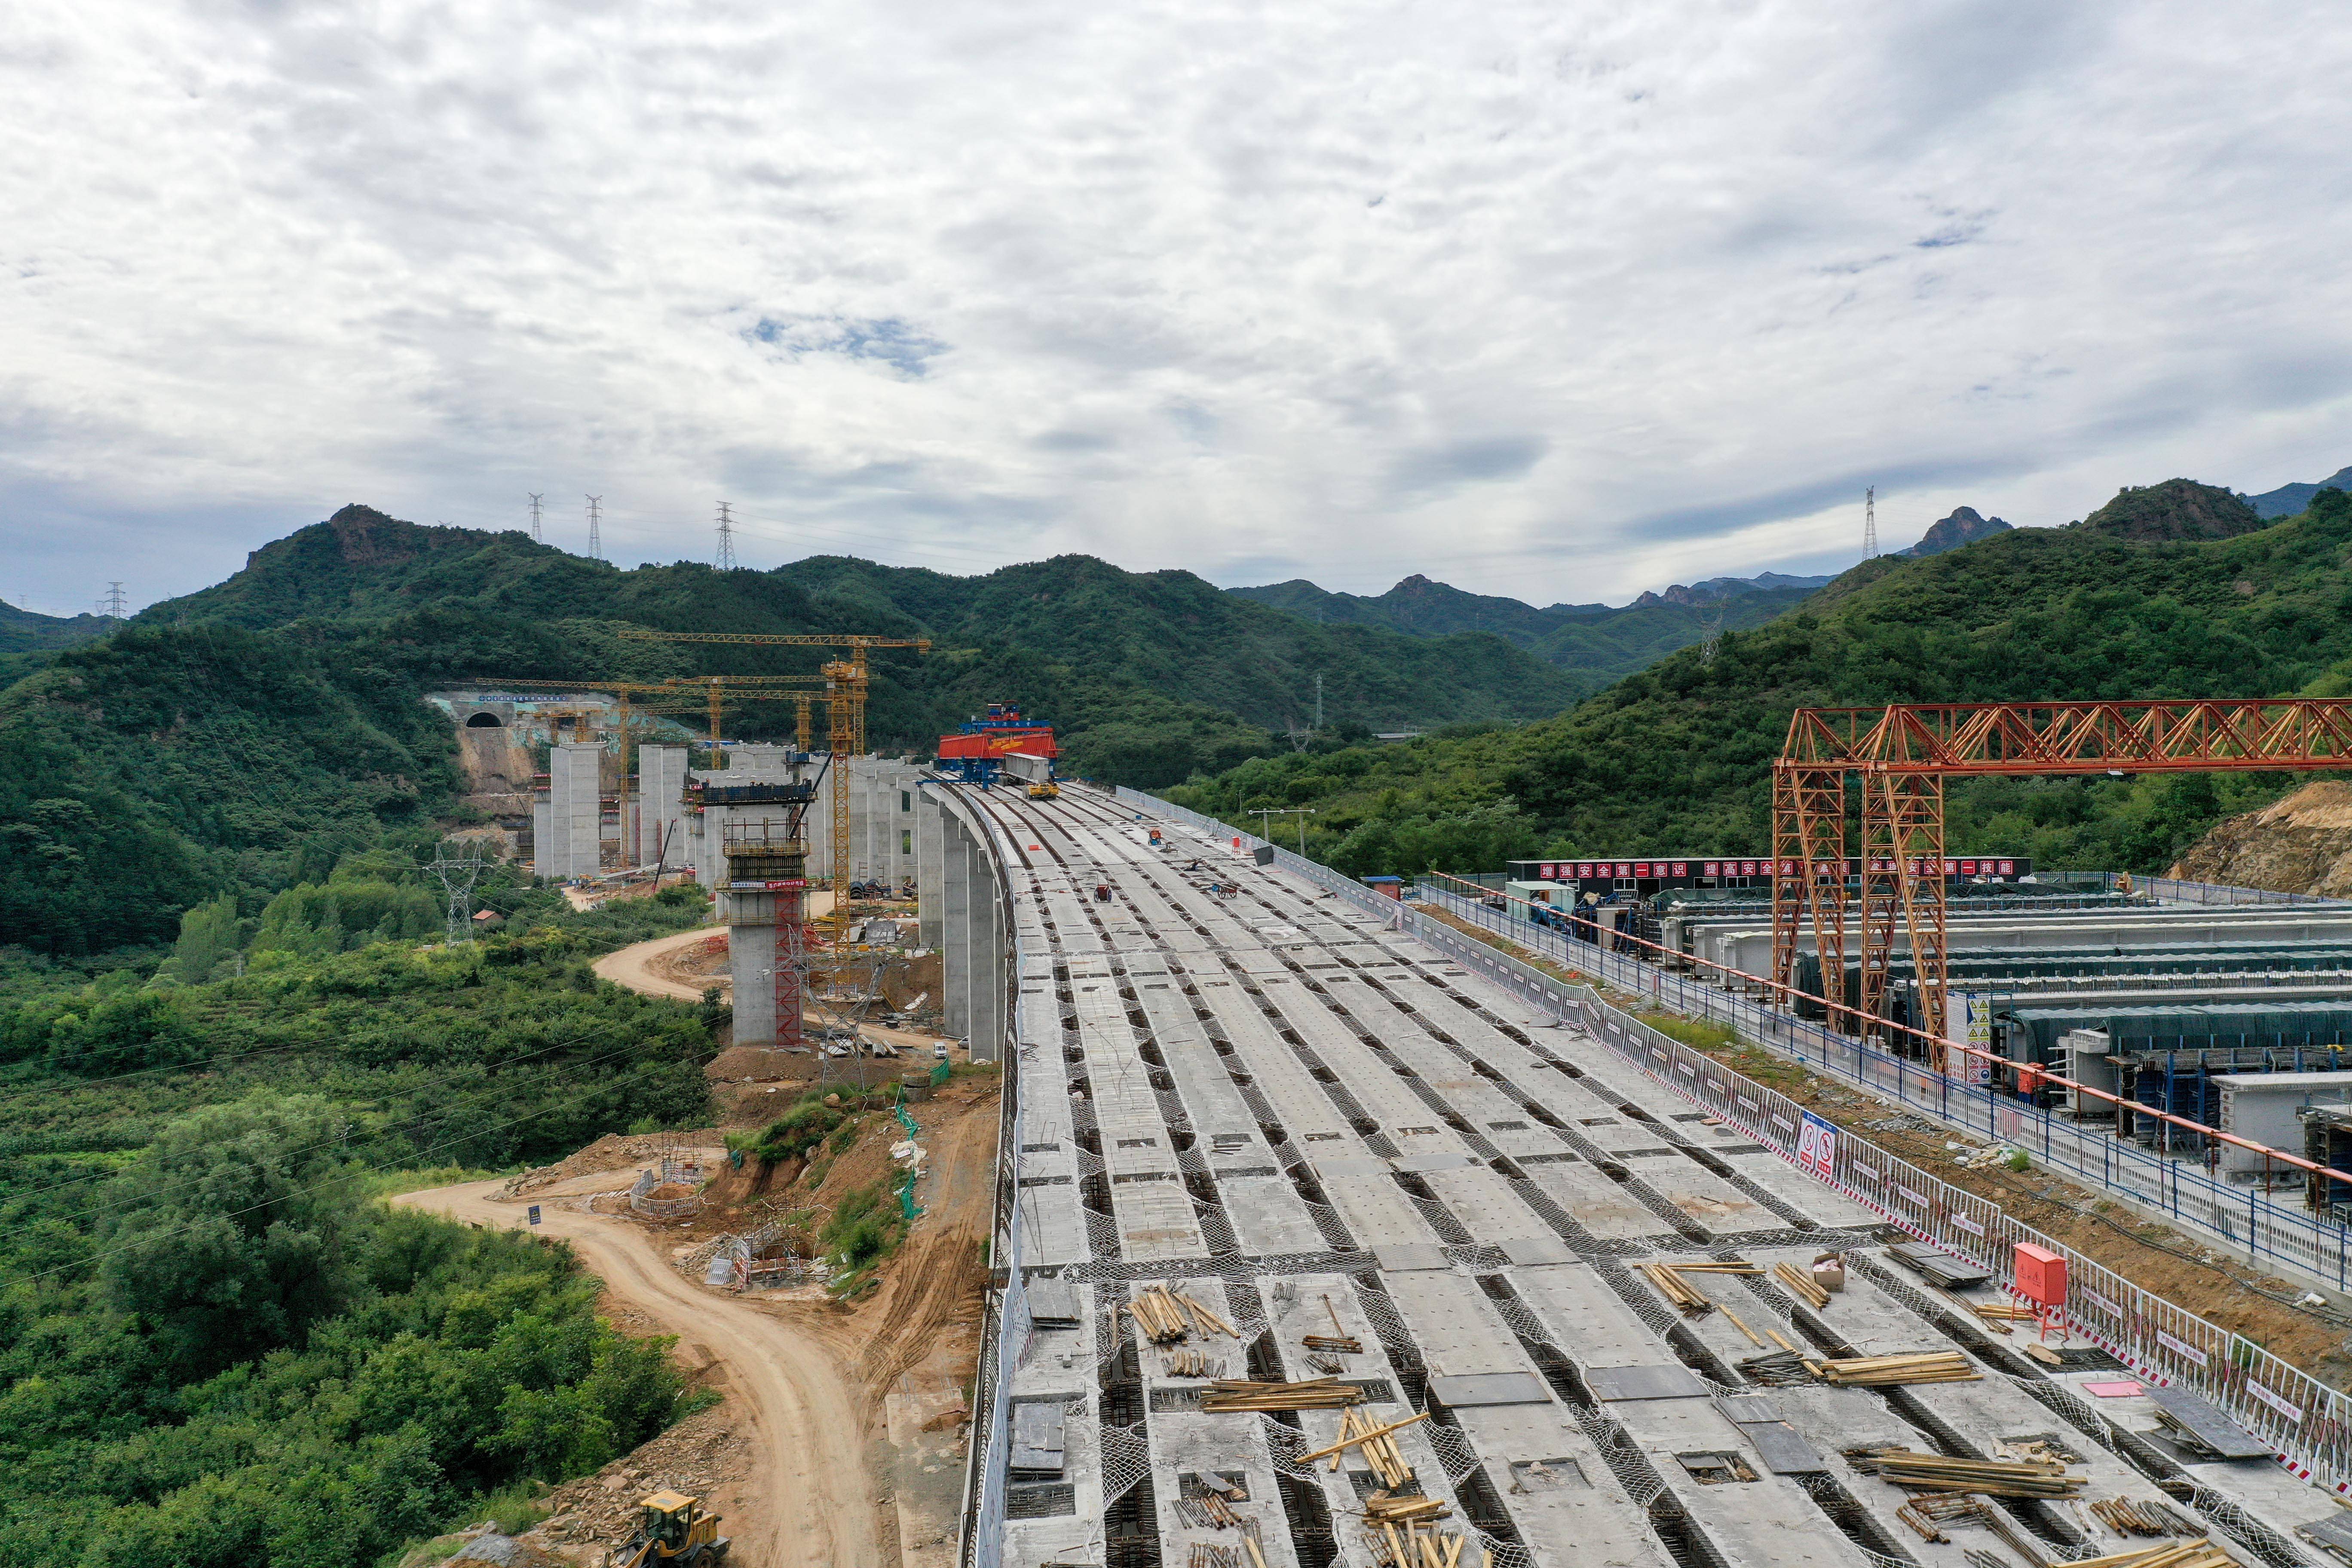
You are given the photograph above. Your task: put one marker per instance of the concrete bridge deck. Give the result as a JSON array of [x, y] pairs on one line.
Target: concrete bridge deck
[[1300, 1115]]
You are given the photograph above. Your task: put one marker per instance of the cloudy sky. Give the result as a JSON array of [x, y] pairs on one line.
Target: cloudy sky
[[1561, 301]]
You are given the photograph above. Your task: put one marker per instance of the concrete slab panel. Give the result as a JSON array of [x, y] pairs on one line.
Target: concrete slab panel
[[1490, 1388]]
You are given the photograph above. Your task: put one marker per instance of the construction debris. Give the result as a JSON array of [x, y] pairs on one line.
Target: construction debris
[[1349, 1345], [1385, 1507], [1889, 1370], [1314, 1393], [1918, 1473], [1777, 1369]]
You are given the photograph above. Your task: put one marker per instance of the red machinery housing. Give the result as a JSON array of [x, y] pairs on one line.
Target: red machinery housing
[[977, 749]]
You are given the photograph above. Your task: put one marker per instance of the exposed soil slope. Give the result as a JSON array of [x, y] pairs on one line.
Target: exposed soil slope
[[2299, 845]]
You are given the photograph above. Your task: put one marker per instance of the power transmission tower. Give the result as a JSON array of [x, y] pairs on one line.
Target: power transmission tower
[[535, 539], [1318, 700], [1869, 523], [1713, 628], [726, 538], [112, 605], [458, 874], [595, 528]]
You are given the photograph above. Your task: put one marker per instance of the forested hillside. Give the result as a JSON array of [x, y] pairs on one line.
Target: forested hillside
[[1676, 758], [216, 1349], [1596, 643]]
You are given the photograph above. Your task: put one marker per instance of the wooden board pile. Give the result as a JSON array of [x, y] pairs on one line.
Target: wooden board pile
[[1192, 1364], [1802, 1285], [1928, 1515], [1918, 1472], [1314, 1393], [1889, 1370], [1378, 1443], [1162, 1315], [1669, 1280], [2198, 1553]]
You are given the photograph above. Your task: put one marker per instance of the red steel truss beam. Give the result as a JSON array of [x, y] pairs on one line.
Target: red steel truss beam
[[1965, 740]]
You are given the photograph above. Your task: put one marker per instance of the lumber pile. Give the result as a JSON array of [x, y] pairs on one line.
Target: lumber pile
[[1167, 1317], [1192, 1364], [1669, 1280], [1314, 1393], [1384, 1507], [1927, 1514], [1378, 1443], [2198, 1553], [1918, 1473], [1890, 1371], [1411, 1545], [2127, 1517], [1802, 1285]]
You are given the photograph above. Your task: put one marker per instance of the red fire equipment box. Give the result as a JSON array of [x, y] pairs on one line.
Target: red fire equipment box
[[2041, 1275]]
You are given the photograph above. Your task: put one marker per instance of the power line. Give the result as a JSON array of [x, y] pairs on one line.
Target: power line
[[726, 538], [595, 528], [535, 538]]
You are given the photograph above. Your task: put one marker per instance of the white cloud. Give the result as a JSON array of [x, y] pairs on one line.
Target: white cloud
[[1555, 302]]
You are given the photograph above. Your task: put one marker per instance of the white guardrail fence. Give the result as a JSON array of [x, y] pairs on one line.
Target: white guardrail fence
[[1004, 1333], [2308, 1423]]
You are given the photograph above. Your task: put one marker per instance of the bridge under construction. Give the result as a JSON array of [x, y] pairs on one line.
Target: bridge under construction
[[1324, 1237]]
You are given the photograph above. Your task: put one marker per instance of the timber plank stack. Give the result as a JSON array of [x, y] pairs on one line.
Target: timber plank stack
[[1918, 1472], [1314, 1393], [1891, 1371]]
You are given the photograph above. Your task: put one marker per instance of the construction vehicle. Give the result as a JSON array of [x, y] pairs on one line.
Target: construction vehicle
[[673, 1532]]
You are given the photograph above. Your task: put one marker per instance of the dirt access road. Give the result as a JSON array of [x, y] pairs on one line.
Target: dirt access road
[[816, 1500], [632, 966]]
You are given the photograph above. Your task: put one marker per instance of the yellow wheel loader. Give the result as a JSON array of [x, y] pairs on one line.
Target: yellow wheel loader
[[673, 1532]]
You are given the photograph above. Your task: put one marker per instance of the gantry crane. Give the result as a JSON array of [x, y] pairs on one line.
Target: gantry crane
[[1904, 751], [847, 682]]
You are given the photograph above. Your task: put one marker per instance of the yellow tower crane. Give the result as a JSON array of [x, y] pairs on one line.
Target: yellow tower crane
[[847, 682]]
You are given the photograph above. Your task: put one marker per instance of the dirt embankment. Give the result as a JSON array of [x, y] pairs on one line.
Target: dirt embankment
[[2157, 1258], [2299, 845]]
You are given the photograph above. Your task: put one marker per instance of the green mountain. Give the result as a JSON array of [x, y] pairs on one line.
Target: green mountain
[[1597, 642], [2288, 499], [1676, 758], [30, 640], [231, 740], [1181, 636], [2175, 510]]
